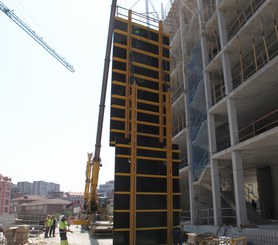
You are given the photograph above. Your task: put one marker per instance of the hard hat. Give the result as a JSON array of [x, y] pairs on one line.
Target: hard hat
[[63, 217]]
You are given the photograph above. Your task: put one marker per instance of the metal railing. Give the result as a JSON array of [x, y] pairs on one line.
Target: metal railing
[[177, 94], [209, 9], [259, 126], [184, 162], [244, 14], [250, 64], [256, 127], [178, 124]]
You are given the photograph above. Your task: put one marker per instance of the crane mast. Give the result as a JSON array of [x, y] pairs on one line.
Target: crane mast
[[37, 38]]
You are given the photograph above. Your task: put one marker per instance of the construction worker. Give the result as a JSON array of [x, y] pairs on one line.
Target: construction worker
[[63, 230], [53, 226], [47, 225], [177, 238]]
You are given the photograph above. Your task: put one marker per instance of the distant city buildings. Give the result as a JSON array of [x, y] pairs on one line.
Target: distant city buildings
[[5, 193], [41, 188], [107, 190], [13, 196]]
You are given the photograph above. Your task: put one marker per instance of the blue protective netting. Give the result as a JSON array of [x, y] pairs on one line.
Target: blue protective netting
[[197, 114]]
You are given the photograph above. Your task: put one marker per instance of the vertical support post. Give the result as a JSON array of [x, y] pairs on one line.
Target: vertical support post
[[133, 165], [160, 68], [128, 74], [217, 215], [169, 165], [254, 48], [241, 62], [265, 45], [274, 19], [241, 213]]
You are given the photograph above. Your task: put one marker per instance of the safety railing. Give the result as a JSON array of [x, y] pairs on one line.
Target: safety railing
[[184, 162], [214, 45], [205, 216], [200, 161], [223, 143], [259, 126], [138, 18], [255, 59], [177, 94], [196, 124], [256, 127], [218, 91], [209, 9], [243, 15], [178, 124], [185, 215]]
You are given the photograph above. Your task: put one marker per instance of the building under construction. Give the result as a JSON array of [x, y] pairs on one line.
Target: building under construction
[[224, 71]]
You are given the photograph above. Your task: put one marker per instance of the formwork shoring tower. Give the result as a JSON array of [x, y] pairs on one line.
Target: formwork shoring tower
[[147, 195]]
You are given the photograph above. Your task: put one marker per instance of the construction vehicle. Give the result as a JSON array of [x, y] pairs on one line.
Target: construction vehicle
[[95, 215], [35, 36]]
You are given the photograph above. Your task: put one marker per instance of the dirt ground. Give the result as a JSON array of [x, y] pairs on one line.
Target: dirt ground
[[78, 237]]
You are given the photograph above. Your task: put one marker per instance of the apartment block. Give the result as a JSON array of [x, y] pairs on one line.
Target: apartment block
[[41, 188], [224, 77], [5, 194]]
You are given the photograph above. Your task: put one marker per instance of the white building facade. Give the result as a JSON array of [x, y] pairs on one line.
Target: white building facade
[[224, 74]]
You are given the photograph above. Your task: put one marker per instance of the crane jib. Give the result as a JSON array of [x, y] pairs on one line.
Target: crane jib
[[35, 36]]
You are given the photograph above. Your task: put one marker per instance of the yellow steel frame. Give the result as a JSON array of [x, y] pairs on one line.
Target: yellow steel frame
[[131, 123], [133, 164], [127, 83]]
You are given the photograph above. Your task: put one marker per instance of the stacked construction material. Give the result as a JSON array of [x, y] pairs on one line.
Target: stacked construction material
[[21, 234], [17, 235], [195, 238], [10, 235]]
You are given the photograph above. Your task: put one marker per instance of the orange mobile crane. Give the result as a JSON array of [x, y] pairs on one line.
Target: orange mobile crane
[[94, 209]]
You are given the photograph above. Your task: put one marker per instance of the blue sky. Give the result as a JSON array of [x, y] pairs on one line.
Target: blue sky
[[48, 114]]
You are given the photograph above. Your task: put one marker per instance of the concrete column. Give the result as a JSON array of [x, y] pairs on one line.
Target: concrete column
[[241, 214], [216, 198], [217, 214], [227, 72], [232, 117], [274, 173], [222, 29]]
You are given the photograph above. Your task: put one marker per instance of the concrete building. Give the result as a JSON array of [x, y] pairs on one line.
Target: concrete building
[[41, 188], [224, 74], [107, 190], [39, 209], [23, 199], [5, 194], [25, 187]]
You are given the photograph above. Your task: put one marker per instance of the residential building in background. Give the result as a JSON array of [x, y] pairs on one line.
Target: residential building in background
[[25, 187], [41, 188], [5, 194], [224, 74], [107, 190], [16, 202]]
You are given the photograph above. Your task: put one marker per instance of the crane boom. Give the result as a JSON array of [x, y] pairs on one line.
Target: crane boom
[[37, 38], [96, 159]]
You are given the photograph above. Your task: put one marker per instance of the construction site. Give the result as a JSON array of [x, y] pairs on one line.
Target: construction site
[[194, 125]]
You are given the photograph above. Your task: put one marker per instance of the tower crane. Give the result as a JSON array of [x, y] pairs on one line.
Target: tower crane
[[35, 36]]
